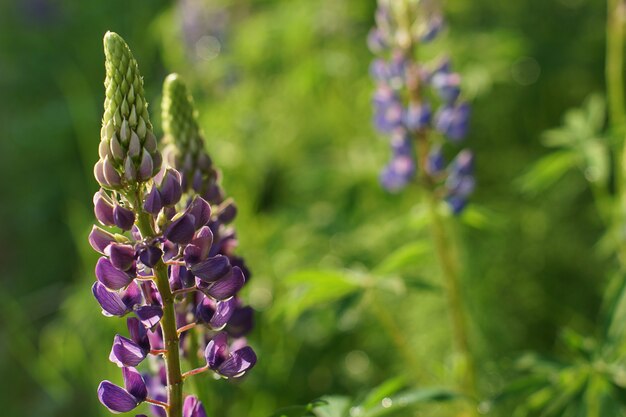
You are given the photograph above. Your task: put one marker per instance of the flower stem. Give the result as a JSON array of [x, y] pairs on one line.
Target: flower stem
[[168, 322], [614, 63], [195, 371], [617, 113], [446, 256], [396, 334]]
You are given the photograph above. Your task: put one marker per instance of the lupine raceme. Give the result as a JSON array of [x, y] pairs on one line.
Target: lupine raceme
[[417, 105], [167, 261]]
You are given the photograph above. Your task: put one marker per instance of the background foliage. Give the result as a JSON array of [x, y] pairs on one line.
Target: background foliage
[[284, 97]]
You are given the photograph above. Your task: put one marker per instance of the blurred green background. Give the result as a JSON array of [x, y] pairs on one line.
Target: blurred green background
[[284, 97]]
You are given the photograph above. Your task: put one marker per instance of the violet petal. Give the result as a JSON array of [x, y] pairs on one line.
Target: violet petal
[[227, 286], [111, 277], [126, 352], [115, 398], [149, 315], [212, 269], [239, 362], [111, 302]]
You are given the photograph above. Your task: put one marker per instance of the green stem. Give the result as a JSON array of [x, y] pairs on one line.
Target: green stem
[[168, 322], [617, 113], [614, 63], [200, 385], [397, 335], [446, 256]]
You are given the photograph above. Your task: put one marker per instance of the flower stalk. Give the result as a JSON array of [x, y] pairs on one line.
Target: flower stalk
[[403, 110]]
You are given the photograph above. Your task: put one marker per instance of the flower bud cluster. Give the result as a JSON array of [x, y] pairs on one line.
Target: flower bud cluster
[[166, 252], [417, 106], [128, 148], [184, 142]]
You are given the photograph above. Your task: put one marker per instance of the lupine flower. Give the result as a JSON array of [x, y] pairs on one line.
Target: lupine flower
[[407, 95], [460, 182], [209, 258], [168, 253], [228, 361], [193, 407], [121, 400]]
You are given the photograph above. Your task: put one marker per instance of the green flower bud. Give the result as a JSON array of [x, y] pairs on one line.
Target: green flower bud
[[185, 144], [128, 151]]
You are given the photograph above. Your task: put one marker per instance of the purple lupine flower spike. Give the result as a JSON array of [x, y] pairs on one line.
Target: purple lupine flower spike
[[169, 265], [407, 95]]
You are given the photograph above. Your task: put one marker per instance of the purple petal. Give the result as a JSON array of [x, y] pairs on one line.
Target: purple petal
[[181, 230], [150, 256], [241, 322], [223, 311], [111, 277], [149, 315], [156, 338], [227, 213], [216, 350], [192, 254], [111, 302], [124, 218], [146, 166], [115, 398], [203, 240], [180, 277], [212, 269], [99, 239], [134, 384], [170, 250], [131, 296], [171, 189], [201, 211], [125, 352], [205, 310], [121, 256], [193, 407], [103, 209], [239, 362], [138, 333], [153, 201], [227, 286]]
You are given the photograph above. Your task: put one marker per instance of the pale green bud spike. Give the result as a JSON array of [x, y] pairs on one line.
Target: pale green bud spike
[[126, 122], [185, 144], [179, 118]]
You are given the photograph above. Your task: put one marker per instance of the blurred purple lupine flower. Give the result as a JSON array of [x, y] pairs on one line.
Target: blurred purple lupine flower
[[408, 93]]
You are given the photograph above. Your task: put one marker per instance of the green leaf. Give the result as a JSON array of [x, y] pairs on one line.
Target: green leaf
[[409, 399], [385, 389], [313, 288], [519, 387], [547, 171], [335, 406], [299, 410], [408, 255], [597, 162]]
